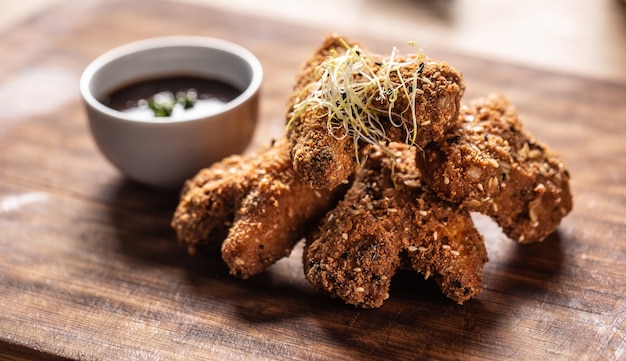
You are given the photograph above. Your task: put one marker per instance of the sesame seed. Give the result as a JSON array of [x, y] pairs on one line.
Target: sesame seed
[[412, 248], [456, 253], [423, 213], [523, 152], [239, 261], [435, 235], [383, 277], [344, 236], [472, 203], [494, 163], [446, 180], [357, 269], [445, 246], [412, 183], [422, 249], [534, 154], [360, 289], [427, 274], [386, 296], [493, 184], [532, 209], [318, 194], [480, 187]]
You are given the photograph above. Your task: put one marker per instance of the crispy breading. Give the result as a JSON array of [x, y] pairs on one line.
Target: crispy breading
[[490, 164], [258, 200], [387, 219], [325, 159], [371, 208]]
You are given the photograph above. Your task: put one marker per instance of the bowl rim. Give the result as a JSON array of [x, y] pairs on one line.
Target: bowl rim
[[156, 43]]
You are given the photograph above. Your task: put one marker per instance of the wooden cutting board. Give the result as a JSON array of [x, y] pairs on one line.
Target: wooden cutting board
[[90, 269]]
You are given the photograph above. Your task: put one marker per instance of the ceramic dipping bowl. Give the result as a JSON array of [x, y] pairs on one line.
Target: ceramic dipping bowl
[[163, 151]]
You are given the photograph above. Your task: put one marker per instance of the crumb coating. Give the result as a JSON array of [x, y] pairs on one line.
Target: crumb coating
[[387, 221], [257, 200], [325, 160], [490, 164]]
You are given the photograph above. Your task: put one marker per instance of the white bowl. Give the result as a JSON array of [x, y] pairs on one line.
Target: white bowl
[[164, 152]]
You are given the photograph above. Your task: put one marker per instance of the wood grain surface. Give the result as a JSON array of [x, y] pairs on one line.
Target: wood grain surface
[[90, 269]]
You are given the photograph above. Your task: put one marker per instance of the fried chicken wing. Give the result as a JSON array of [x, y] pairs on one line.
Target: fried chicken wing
[[490, 164], [258, 200], [344, 99], [388, 220], [379, 170]]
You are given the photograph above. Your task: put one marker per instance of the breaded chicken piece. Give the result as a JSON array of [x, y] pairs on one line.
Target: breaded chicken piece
[[490, 164], [388, 220], [422, 110], [258, 200]]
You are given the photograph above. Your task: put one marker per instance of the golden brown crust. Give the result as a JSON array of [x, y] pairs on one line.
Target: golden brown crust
[[258, 199], [407, 207], [490, 164], [447, 247], [320, 159], [387, 217], [325, 160]]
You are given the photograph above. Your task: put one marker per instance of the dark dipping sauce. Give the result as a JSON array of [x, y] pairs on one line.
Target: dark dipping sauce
[[209, 95]]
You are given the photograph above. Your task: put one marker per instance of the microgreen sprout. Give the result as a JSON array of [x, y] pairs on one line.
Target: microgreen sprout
[[359, 95]]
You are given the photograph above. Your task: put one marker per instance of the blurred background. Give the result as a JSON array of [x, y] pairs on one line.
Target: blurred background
[[581, 37]]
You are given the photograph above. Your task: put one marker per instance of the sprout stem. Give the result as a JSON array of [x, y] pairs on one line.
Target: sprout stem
[[352, 88]]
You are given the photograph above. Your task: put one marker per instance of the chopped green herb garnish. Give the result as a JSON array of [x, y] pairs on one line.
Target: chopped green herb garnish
[[163, 103]]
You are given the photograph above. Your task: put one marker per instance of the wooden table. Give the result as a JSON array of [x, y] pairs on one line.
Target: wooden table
[[90, 269]]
